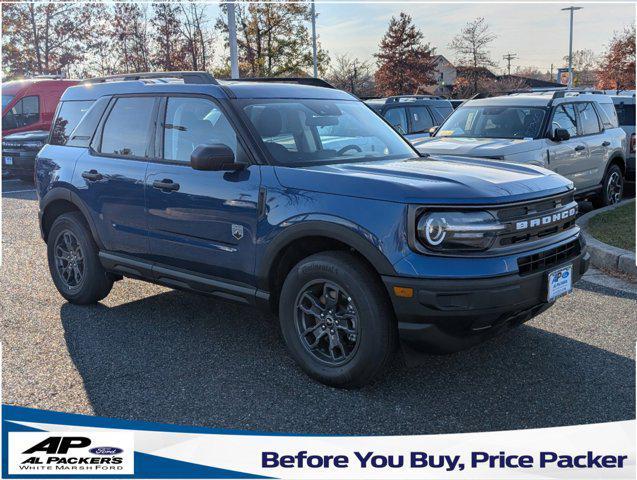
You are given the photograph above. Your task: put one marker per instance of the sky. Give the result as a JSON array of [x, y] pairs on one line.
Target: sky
[[536, 32]]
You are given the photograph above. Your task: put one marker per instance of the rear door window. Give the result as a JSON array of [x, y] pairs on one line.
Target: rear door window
[[24, 113], [397, 117], [127, 130], [421, 120], [588, 118], [68, 117]]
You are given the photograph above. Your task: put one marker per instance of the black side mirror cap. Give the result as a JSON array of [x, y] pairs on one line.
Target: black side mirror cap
[[214, 157], [561, 134]]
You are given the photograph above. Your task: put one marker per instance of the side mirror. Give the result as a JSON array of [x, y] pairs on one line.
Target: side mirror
[[561, 134], [214, 157], [433, 130]]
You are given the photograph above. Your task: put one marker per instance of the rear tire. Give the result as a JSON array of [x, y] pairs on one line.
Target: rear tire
[[74, 263], [340, 300], [612, 188]]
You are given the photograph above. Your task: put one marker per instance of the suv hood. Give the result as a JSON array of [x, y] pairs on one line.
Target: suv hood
[[434, 180], [475, 147]]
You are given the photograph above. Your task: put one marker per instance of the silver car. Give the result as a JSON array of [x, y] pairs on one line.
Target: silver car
[[625, 106], [575, 134]]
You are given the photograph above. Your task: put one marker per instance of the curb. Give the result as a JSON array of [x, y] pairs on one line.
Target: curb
[[604, 256]]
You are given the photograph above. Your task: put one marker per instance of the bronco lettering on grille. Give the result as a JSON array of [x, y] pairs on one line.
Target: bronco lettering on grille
[[546, 219]]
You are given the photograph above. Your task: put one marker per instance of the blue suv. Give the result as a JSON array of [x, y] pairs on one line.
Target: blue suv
[[300, 199]]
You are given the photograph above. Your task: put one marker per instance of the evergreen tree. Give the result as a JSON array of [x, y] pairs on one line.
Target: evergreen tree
[[404, 61]]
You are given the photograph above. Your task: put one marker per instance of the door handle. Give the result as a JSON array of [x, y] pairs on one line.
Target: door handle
[[605, 143], [579, 148], [166, 184], [92, 175]]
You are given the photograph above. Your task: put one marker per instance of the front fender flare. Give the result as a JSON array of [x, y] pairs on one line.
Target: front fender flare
[[339, 229]]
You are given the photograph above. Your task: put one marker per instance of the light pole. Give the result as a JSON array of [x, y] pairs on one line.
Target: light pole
[[314, 57], [232, 38], [570, 47]]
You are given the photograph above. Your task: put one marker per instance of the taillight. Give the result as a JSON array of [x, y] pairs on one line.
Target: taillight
[[632, 143]]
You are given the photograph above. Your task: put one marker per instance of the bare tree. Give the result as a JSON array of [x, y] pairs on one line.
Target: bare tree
[[48, 37], [352, 75], [199, 40], [472, 44]]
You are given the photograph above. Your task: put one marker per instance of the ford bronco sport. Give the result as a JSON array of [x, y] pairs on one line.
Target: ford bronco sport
[[301, 199], [572, 133]]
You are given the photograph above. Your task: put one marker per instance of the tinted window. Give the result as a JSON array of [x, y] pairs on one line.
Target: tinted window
[[441, 113], [299, 131], [608, 115], [421, 120], [25, 112], [626, 114], [195, 121], [588, 118], [493, 122], [69, 115], [127, 129], [397, 117], [564, 117]]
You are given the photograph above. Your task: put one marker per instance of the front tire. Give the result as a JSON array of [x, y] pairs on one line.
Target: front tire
[[74, 263], [337, 320], [612, 188]]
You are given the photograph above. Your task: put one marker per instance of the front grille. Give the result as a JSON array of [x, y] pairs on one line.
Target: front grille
[[526, 222], [548, 258]]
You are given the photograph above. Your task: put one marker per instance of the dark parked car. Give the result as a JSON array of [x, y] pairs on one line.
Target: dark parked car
[[413, 115], [19, 151], [301, 199]]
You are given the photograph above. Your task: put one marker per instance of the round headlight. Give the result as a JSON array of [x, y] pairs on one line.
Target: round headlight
[[457, 231], [435, 230]]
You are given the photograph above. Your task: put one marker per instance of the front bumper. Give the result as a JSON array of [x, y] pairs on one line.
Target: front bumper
[[452, 314]]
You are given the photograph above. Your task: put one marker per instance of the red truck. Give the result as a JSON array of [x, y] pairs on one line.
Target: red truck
[[30, 104]]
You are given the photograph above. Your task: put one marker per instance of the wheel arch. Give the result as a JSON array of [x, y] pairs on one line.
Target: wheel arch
[[59, 201], [302, 240]]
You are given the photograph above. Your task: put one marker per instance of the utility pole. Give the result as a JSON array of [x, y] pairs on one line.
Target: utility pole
[[570, 46], [232, 38], [314, 54], [508, 57]]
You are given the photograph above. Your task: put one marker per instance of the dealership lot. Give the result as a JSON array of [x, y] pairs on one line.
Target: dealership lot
[[150, 353]]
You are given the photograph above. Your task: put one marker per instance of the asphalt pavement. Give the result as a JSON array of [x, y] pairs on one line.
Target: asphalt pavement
[[154, 354]]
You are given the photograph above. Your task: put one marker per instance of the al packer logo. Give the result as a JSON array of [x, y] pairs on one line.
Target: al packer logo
[[68, 453]]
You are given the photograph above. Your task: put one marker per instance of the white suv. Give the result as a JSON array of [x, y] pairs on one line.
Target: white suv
[[572, 133]]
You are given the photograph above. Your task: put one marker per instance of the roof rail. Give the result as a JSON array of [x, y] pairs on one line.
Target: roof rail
[[187, 77], [314, 82], [398, 98]]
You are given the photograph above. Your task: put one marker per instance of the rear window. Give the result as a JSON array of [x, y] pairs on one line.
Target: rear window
[[68, 117], [625, 114], [608, 115], [127, 129]]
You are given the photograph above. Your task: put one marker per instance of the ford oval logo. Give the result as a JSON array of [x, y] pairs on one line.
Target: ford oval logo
[[105, 450]]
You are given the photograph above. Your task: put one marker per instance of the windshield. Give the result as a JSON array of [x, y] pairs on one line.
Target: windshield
[[493, 122], [305, 131], [6, 100]]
